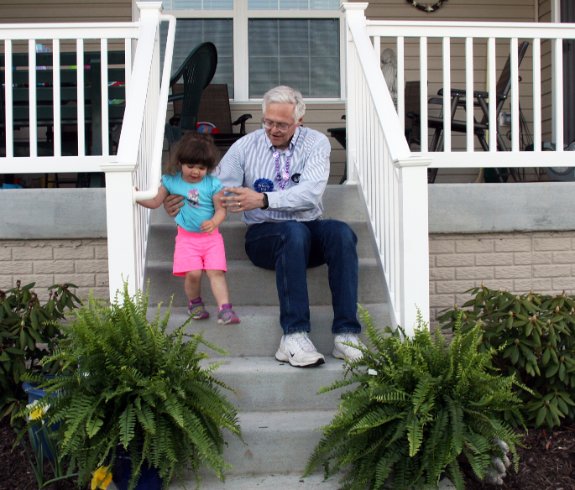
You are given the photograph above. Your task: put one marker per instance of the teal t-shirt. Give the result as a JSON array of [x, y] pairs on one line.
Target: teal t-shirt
[[198, 199]]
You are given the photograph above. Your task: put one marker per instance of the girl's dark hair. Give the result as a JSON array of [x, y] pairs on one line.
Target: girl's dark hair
[[193, 148]]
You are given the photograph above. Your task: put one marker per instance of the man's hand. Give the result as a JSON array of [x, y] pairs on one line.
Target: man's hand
[[239, 199], [173, 203]]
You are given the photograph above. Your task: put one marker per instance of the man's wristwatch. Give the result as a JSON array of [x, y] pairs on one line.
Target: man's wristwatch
[[266, 202]]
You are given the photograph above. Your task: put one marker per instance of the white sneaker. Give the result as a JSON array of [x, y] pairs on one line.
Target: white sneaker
[[348, 352], [298, 350]]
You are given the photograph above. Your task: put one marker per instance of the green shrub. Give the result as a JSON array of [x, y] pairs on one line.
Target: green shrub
[[420, 408], [533, 336], [29, 329]]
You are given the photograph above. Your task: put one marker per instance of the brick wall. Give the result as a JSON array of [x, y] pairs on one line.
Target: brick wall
[[46, 262], [540, 261]]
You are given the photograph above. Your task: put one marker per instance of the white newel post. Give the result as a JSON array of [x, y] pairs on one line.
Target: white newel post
[[414, 241], [120, 218], [354, 13]]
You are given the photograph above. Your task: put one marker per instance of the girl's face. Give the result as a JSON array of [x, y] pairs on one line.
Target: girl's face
[[193, 172]]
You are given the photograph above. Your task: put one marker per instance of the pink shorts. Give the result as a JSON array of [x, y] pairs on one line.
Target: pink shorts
[[198, 251]]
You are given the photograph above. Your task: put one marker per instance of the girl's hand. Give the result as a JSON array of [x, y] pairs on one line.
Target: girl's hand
[[208, 226]]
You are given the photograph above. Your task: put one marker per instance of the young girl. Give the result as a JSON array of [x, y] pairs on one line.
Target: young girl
[[199, 244]]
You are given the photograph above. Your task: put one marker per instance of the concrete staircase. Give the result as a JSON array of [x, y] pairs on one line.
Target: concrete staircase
[[279, 409]]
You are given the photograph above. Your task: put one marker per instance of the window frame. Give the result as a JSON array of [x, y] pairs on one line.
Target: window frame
[[240, 15]]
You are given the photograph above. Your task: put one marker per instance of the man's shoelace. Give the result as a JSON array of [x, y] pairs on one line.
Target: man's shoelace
[[303, 342]]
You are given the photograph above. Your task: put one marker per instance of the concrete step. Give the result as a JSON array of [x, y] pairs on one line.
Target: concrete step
[[340, 202], [343, 202], [275, 442], [250, 285], [279, 442], [259, 333], [293, 481], [161, 242], [263, 383]]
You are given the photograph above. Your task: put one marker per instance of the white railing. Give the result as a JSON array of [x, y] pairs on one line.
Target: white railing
[[137, 163], [26, 39], [392, 177], [380, 161], [431, 52]]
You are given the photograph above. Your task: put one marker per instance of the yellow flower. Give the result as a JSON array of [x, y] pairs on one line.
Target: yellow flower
[[101, 478], [36, 411]]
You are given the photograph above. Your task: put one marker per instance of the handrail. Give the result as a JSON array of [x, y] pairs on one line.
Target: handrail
[[156, 166], [135, 108], [463, 29], [139, 152], [382, 101], [379, 159], [70, 30]]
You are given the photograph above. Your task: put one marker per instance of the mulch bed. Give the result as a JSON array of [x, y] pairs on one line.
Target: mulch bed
[[547, 463], [16, 471]]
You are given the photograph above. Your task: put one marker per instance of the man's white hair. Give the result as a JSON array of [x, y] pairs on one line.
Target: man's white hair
[[285, 95]]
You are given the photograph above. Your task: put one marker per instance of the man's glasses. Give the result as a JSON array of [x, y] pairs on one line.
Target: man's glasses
[[283, 127]]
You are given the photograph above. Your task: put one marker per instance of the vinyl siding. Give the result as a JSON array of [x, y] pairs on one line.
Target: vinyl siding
[[485, 10], [544, 14], [25, 11]]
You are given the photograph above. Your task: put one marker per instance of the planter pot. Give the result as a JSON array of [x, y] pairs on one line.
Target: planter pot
[[122, 472], [39, 435]]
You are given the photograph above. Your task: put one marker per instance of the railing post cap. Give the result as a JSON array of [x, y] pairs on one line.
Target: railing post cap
[[149, 6], [413, 161], [355, 6]]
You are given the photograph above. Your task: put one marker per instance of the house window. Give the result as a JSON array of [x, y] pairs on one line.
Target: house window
[[198, 4], [263, 43], [191, 32], [302, 53]]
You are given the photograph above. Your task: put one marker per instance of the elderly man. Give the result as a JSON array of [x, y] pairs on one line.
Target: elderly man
[[277, 176]]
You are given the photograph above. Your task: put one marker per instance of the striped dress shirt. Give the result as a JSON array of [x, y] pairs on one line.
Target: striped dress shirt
[[253, 162]]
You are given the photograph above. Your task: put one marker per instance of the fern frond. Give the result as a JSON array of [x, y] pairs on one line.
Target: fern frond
[[126, 425], [372, 420], [414, 433]]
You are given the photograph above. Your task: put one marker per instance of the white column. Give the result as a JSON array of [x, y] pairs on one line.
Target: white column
[[354, 12], [120, 219], [413, 242]]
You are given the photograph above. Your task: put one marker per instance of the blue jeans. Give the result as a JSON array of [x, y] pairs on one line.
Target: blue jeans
[[289, 248]]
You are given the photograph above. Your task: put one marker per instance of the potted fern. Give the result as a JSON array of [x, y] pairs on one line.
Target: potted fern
[[418, 409], [129, 388]]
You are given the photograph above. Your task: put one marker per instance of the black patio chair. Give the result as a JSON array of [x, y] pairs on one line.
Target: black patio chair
[[215, 110], [187, 85]]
